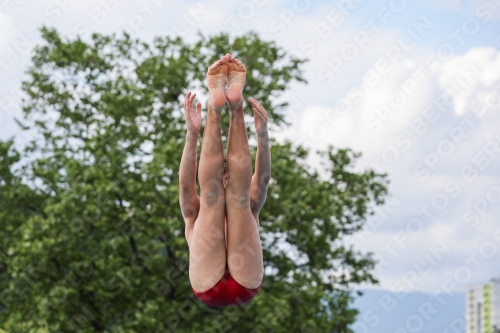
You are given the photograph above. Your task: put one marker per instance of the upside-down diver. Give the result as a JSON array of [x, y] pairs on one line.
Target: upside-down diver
[[222, 223]]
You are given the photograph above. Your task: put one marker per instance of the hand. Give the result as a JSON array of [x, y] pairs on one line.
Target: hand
[[260, 116], [193, 120]]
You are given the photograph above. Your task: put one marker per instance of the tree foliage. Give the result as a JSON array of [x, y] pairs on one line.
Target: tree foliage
[[91, 231]]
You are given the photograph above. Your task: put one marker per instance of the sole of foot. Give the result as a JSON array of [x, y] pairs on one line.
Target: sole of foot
[[236, 77], [216, 81]]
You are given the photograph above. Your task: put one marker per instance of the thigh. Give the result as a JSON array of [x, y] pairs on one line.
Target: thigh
[[207, 250], [244, 249]]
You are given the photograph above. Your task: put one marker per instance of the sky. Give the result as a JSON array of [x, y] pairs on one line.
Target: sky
[[413, 85]]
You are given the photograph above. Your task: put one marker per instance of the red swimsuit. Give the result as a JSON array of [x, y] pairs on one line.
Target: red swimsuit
[[227, 292]]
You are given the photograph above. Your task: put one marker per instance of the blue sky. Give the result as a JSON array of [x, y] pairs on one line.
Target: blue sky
[[429, 117]]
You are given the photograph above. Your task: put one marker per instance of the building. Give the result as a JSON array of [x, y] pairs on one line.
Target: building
[[483, 307]]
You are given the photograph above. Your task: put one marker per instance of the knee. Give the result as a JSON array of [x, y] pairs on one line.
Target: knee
[[241, 200], [212, 191], [242, 160]]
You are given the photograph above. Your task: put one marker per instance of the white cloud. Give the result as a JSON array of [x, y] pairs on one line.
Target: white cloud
[[468, 78], [6, 21]]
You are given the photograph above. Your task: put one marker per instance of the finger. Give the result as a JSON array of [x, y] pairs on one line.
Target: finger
[[189, 106], [255, 116], [185, 103], [264, 111], [261, 108], [256, 103], [191, 102], [198, 108], [252, 101], [257, 113]]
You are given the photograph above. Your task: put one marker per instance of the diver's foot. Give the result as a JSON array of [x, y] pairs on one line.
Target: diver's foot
[[216, 82], [235, 81]]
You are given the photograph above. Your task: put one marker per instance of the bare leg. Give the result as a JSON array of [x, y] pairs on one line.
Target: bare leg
[[244, 250], [207, 258]]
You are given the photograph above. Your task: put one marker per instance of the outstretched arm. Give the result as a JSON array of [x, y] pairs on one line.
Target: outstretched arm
[[188, 196], [262, 175]]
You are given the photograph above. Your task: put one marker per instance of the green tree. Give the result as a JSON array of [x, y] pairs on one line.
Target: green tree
[[91, 231]]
